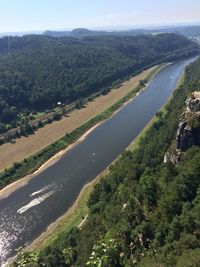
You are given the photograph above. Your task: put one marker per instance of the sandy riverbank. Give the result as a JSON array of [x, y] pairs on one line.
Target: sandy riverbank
[[76, 215], [6, 191], [69, 219], [11, 188], [27, 146]]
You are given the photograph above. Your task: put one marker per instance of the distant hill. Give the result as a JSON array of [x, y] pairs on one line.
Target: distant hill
[[19, 34], [57, 33], [82, 32], [188, 31], [37, 72]]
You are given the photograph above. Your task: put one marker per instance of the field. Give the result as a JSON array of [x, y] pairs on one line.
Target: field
[[26, 146]]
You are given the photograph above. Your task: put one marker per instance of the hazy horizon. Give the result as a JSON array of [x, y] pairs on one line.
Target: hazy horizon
[[38, 16], [104, 28]]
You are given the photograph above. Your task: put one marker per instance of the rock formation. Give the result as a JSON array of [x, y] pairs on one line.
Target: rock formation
[[188, 132], [193, 102]]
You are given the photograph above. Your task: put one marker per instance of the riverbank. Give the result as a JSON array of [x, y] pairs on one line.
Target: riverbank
[[76, 216], [82, 164], [6, 191], [43, 159], [24, 147]]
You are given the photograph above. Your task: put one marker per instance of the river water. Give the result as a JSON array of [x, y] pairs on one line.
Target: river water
[[27, 212]]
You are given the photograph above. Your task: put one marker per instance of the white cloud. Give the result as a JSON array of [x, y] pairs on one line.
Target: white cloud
[[112, 16]]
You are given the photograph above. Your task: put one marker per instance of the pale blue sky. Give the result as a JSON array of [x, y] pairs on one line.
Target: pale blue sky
[[29, 15]]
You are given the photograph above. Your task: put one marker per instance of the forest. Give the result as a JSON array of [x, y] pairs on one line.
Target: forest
[[144, 212], [37, 72]]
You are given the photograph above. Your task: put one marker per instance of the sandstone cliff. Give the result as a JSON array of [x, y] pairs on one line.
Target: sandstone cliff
[[188, 132]]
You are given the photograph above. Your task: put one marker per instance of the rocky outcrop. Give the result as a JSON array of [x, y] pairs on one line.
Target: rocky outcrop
[[172, 155], [193, 102], [188, 132]]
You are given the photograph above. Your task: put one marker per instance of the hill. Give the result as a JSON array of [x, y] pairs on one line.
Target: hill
[[37, 72], [188, 31], [82, 32]]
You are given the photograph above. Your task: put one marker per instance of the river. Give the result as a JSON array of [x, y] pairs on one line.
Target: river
[[27, 212]]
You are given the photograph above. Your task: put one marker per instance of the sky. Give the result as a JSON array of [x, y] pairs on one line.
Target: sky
[[39, 15]]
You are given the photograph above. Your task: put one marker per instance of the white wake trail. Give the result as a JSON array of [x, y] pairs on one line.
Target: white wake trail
[[40, 191], [34, 202]]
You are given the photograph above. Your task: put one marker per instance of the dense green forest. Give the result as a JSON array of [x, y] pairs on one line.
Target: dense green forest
[[144, 212], [37, 72]]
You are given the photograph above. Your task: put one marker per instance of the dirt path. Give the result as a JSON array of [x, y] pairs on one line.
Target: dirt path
[[26, 146]]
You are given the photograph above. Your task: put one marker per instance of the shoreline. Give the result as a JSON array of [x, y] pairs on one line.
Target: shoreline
[[54, 226], [14, 186], [11, 188], [26, 147], [45, 237], [40, 242]]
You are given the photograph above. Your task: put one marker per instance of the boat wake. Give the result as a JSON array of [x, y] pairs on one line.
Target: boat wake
[[34, 202], [40, 191]]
